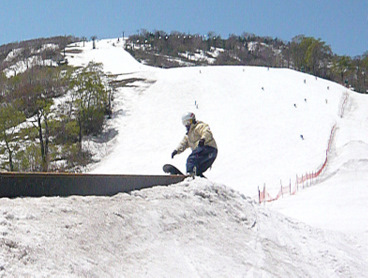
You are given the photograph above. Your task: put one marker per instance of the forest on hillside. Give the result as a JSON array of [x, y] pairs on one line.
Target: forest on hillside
[[306, 54], [48, 107]]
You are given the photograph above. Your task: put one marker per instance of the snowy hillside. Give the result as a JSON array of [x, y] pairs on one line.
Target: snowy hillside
[[257, 115], [270, 125]]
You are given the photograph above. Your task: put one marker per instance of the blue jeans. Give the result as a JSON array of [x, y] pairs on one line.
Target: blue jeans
[[202, 158]]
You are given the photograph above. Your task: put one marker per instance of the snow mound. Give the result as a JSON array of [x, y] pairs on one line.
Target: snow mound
[[193, 229]]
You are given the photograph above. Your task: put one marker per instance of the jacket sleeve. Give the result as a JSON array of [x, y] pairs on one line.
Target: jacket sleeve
[[184, 144]]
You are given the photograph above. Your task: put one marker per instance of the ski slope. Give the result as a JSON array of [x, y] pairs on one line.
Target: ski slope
[[270, 125], [257, 116]]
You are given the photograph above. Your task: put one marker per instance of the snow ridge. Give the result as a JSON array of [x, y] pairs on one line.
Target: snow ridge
[[195, 229]]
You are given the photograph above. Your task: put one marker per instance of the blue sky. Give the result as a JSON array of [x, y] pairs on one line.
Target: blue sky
[[341, 24]]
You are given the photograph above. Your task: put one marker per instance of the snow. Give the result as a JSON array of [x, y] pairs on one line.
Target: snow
[[200, 55], [208, 227], [13, 54], [25, 63]]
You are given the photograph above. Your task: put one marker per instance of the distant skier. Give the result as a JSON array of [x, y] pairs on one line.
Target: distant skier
[[200, 139]]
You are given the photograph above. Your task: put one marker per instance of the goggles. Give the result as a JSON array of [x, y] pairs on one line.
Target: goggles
[[187, 122]]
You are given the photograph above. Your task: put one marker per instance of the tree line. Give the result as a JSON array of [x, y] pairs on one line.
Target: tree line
[[302, 53], [35, 47], [37, 131]]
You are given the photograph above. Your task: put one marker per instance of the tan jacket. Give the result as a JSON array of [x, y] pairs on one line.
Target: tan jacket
[[197, 132]]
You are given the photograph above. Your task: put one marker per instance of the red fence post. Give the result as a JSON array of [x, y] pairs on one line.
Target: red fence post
[[282, 193], [290, 187], [297, 183]]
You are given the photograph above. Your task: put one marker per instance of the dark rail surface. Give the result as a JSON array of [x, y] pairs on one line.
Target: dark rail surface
[[14, 185]]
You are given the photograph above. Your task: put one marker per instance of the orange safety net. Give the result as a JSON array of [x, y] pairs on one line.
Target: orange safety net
[[264, 196]]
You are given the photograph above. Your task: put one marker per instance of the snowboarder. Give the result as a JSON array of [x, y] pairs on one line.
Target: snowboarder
[[200, 139]]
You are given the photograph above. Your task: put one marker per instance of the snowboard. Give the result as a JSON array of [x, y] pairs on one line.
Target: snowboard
[[171, 169]]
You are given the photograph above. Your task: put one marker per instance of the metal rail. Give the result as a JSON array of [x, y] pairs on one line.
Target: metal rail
[[14, 185]]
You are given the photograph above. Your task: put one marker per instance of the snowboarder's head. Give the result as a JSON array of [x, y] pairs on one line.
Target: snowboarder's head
[[188, 119]]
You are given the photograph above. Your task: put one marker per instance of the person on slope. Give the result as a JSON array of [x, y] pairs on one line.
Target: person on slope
[[200, 139]]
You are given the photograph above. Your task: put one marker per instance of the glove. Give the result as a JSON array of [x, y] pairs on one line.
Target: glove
[[174, 153], [201, 143]]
